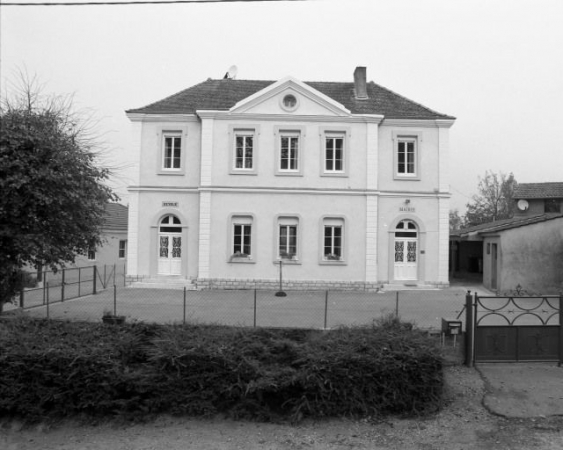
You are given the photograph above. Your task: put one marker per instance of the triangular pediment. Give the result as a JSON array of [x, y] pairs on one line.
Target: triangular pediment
[[290, 96]]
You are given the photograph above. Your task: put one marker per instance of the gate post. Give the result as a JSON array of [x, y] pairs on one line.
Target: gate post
[[469, 343], [560, 329]]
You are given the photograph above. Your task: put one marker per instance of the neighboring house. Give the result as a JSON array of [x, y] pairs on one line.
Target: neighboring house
[[113, 251], [526, 250], [345, 183]]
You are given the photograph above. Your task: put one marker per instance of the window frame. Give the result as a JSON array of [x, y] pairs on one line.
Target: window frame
[[287, 221], [246, 131], [289, 132], [333, 222], [122, 249], [244, 221], [334, 133], [406, 137], [174, 134]]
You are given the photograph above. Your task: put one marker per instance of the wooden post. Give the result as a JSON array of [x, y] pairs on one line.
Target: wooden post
[[469, 329]]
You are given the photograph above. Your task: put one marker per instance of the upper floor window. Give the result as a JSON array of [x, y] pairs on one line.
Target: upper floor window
[[552, 205], [334, 154], [406, 157], [122, 249], [172, 152], [244, 151], [289, 153]]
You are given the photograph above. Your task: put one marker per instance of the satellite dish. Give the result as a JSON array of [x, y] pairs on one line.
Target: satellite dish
[[523, 205], [232, 73]]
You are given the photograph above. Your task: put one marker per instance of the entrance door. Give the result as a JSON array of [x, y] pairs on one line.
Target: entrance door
[[170, 246], [406, 251]]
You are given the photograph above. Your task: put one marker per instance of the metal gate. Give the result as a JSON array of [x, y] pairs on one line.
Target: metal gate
[[514, 328]]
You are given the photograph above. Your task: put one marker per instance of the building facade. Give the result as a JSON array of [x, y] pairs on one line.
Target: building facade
[[525, 250], [340, 185]]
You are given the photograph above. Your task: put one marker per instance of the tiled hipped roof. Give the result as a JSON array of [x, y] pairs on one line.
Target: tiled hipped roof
[[506, 224], [538, 190], [224, 94], [115, 217]]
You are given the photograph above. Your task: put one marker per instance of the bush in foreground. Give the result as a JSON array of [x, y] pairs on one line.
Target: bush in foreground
[[63, 369]]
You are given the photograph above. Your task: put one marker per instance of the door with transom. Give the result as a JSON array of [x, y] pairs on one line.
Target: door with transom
[[406, 251], [170, 246]]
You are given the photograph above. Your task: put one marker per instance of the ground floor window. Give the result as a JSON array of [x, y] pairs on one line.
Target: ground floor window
[[122, 249]]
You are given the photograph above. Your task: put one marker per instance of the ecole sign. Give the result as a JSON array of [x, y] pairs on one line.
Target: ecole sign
[[169, 204], [406, 209]]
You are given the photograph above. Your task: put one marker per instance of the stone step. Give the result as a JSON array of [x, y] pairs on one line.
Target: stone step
[[408, 286]]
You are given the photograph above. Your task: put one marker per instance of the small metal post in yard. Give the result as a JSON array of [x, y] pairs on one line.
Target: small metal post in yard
[[397, 304], [44, 289], [254, 308], [114, 300], [63, 287], [184, 320], [47, 300], [281, 293], [469, 309], [114, 267], [79, 281], [95, 270], [105, 282], [326, 309], [560, 329]]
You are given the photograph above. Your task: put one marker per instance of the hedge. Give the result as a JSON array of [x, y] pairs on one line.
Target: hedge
[[68, 369]]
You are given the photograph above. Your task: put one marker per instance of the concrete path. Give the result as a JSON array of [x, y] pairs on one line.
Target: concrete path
[[523, 389]]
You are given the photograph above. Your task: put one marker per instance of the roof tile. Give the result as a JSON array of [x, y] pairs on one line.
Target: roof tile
[[224, 94]]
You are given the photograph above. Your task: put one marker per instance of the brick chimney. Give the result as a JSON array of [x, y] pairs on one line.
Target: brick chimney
[[360, 86]]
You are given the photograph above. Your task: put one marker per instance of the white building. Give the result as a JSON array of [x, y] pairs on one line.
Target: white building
[[345, 182]]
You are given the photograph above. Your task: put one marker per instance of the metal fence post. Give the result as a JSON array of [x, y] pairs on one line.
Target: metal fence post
[[95, 270], [326, 309], [79, 280], [47, 300], [560, 329], [397, 304], [114, 300], [63, 287], [184, 320], [469, 344], [254, 308]]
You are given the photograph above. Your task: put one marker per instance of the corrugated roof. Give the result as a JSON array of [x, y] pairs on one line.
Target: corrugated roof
[[506, 224], [538, 190], [224, 94], [115, 217]]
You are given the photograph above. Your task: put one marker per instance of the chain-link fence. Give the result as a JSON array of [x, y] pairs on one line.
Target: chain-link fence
[[261, 308], [48, 287]]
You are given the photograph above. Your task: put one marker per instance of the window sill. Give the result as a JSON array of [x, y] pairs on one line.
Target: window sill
[[289, 174], [241, 260], [172, 172], [407, 177], [243, 172], [293, 262], [335, 174], [328, 262]]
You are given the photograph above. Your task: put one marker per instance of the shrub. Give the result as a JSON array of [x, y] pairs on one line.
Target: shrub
[[60, 369]]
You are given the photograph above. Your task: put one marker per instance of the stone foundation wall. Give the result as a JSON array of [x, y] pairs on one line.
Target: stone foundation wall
[[291, 285]]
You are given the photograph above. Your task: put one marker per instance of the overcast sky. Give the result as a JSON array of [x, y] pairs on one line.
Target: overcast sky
[[495, 65]]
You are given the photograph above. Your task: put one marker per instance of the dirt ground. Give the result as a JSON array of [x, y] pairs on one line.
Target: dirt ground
[[464, 423]]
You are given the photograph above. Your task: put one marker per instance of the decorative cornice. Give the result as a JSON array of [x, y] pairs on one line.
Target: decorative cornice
[[140, 117], [411, 123]]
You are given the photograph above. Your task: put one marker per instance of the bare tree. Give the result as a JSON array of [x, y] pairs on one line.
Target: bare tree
[[495, 200]]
